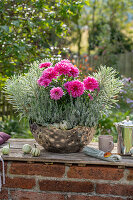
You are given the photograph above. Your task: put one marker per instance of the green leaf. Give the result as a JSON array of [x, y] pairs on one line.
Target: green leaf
[[16, 23], [5, 28]]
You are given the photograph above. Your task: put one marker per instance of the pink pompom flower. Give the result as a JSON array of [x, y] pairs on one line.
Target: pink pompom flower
[[44, 65], [75, 88], [43, 82], [66, 68], [90, 83], [66, 85], [50, 73], [63, 67], [74, 72], [56, 93], [90, 96]]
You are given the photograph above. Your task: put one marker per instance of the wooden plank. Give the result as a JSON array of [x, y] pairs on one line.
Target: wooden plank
[[18, 144], [80, 158], [73, 158]]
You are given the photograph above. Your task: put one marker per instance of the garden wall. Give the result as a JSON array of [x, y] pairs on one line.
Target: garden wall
[[60, 181]]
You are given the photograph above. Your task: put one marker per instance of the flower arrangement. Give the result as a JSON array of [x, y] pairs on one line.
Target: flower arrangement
[[67, 72], [55, 95]]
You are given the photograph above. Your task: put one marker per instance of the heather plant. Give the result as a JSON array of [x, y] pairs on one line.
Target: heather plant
[[52, 93], [126, 96]]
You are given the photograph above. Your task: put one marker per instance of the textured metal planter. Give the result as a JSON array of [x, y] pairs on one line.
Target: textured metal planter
[[62, 141]]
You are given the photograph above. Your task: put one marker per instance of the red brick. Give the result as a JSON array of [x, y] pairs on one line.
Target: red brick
[[4, 194], [130, 198], [115, 189], [81, 197], [17, 182], [5, 166], [66, 186], [20, 195], [54, 170], [130, 175], [95, 172]]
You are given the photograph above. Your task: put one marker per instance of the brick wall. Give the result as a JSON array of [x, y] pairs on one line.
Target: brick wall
[[41, 181]]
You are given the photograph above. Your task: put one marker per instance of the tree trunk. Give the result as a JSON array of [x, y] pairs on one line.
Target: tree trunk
[[79, 41]]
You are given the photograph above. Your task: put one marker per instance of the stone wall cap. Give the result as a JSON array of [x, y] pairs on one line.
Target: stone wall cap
[[80, 158]]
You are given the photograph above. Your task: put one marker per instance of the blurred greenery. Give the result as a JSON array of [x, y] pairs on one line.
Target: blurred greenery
[[32, 30], [123, 108], [106, 124], [16, 128], [108, 27], [126, 96]]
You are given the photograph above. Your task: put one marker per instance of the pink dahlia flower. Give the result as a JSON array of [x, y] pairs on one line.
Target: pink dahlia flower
[[75, 88], [66, 85], [56, 93], [90, 83], [50, 73], [90, 96], [63, 67], [74, 72], [43, 82], [44, 65]]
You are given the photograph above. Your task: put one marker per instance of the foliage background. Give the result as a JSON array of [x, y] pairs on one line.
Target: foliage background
[[104, 27], [32, 30]]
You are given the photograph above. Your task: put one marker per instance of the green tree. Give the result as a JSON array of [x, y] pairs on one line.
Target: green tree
[[109, 30], [77, 25], [28, 30], [109, 26]]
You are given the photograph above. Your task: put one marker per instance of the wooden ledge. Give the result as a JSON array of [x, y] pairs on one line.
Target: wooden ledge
[[80, 158]]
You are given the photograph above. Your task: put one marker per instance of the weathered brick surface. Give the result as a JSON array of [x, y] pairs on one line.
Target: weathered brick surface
[[5, 166], [81, 197], [47, 186], [20, 195], [17, 182], [66, 186], [4, 194], [95, 172], [115, 189], [37, 169], [130, 175]]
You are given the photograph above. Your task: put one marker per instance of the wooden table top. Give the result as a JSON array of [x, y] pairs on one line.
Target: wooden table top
[[80, 158]]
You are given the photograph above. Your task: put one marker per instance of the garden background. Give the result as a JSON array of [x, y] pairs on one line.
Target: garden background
[[89, 33]]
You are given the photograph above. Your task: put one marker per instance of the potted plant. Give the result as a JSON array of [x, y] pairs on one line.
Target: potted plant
[[63, 109]]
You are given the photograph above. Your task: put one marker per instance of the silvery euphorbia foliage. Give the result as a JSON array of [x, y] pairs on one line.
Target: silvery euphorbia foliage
[[54, 94]]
